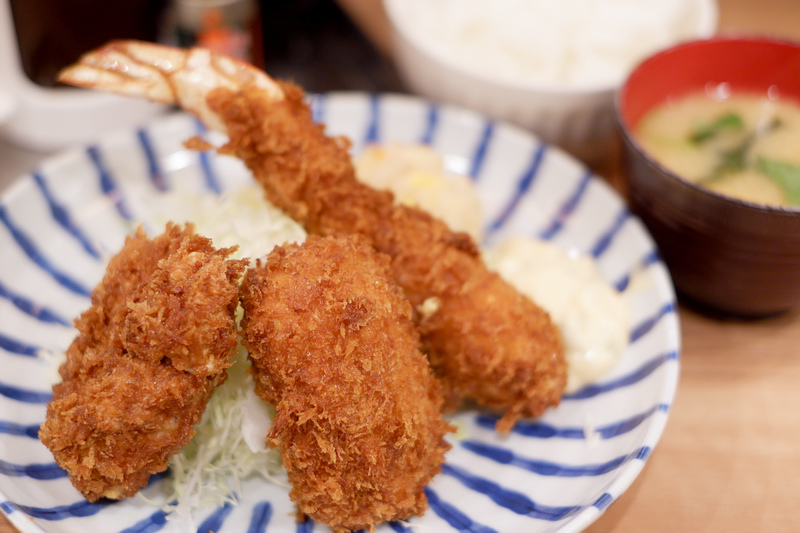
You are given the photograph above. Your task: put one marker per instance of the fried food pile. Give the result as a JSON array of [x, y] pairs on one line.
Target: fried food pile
[[358, 411], [358, 418], [485, 341], [149, 353], [361, 337]]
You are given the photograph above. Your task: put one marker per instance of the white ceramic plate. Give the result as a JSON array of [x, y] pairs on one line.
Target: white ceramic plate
[[558, 472]]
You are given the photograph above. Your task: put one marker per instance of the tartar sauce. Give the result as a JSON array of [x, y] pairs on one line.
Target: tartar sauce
[[593, 316]]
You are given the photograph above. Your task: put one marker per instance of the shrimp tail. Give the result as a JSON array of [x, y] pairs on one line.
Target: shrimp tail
[[166, 74]]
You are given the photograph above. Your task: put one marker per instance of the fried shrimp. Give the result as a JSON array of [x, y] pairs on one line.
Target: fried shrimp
[[150, 351], [358, 420], [485, 341]]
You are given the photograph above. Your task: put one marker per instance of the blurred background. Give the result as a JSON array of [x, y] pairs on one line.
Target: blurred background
[[313, 42], [323, 45]]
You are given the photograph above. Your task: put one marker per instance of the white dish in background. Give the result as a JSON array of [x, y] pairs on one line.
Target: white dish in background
[[575, 115], [558, 472], [54, 118]]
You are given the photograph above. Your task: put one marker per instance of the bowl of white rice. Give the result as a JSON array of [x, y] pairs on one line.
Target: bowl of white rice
[[549, 66]]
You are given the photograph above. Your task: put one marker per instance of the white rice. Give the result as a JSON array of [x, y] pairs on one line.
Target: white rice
[[574, 43]]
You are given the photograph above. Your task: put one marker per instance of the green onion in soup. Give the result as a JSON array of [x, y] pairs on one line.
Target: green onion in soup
[[745, 146]]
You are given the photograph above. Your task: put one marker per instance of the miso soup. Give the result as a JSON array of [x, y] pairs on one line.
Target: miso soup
[[744, 146]]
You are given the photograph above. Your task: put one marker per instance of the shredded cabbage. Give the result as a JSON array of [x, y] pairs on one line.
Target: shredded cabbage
[[211, 467], [230, 443], [241, 217]]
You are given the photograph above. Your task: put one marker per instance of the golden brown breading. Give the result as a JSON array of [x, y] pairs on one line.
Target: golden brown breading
[[358, 411], [149, 352], [484, 340]]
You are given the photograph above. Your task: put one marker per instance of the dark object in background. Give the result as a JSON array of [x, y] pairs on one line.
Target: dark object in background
[[315, 44], [311, 42], [54, 33]]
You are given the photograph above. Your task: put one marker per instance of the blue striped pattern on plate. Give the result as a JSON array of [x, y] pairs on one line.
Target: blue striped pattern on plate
[[559, 472]]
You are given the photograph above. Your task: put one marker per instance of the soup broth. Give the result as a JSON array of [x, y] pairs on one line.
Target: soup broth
[[744, 146]]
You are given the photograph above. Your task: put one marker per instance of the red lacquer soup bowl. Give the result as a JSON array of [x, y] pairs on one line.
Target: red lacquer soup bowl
[[724, 254]]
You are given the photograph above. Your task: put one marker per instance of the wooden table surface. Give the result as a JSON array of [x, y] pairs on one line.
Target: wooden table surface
[[729, 459]]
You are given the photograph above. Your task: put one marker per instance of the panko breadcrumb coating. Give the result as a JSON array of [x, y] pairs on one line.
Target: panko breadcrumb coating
[[485, 340], [358, 411], [150, 351]]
